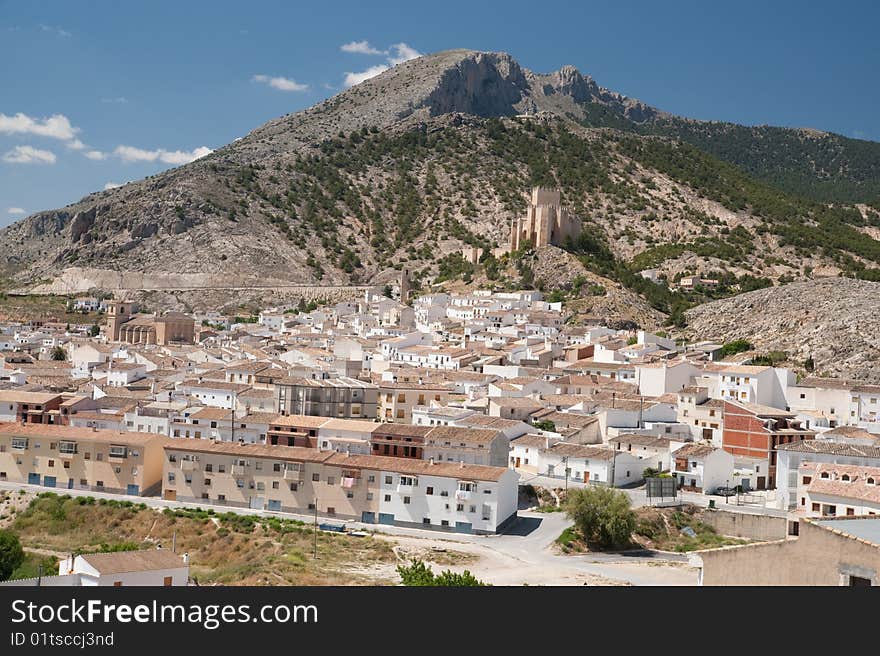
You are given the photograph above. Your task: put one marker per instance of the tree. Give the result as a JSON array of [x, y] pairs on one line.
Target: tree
[[809, 364], [602, 515], [94, 330], [546, 425], [387, 291], [58, 353], [417, 574], [11, 553]]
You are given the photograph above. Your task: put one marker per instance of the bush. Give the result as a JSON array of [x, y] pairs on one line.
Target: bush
[[418, 574], [602, 515], [11, 553]]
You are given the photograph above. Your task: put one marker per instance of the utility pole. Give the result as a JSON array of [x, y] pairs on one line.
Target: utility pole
[[316, 529], [565, 464], [232, 420]]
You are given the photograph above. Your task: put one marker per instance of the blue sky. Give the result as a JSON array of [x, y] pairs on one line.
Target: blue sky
[[98, 92]]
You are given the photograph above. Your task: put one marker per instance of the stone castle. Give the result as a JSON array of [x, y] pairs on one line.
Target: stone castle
[[546, 222]]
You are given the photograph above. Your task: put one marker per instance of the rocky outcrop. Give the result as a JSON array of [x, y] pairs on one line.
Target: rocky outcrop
[[834, 320], [486, 84]]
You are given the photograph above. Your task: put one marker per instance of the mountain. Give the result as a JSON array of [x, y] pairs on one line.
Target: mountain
[[439, 152], [805, 319]]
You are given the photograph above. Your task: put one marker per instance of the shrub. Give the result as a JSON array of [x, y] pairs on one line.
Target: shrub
[[602, 515]]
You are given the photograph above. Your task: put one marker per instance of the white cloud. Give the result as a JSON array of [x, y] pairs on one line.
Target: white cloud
[[96, 155], [29, 155], [54, 30], [404, 53], [281, 83], [76, 144], [56, 126], [356, 78], [132, 154], [362, 48], [16, 211], [111, 185]]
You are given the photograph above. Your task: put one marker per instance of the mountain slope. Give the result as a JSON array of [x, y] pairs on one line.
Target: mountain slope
[[805, 319], [436, 153]]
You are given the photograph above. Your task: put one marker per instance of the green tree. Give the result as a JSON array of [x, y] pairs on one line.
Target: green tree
[[387, 291], [417, 574], [94, 330], [11, 553], [602, 515], [58, 353], [734, 347]]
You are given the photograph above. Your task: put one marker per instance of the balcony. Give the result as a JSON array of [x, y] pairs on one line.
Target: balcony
[[462, 495], [237, 470], [292, 475], [187, 465]]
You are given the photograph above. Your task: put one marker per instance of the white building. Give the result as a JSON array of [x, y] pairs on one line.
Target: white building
[[702, 467]]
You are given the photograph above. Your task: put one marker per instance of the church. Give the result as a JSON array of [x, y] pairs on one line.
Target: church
[[124, 324]]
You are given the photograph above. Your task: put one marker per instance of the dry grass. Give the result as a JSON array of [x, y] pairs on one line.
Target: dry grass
[[224, 548], [45, 307]]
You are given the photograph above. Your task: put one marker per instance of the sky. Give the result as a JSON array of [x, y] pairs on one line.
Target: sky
[[97, 93]]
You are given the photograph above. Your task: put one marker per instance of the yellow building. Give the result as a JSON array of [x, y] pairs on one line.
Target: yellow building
[[78, 458]]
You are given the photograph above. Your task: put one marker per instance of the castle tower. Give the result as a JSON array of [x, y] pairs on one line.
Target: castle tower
[[405, 286], [546, 221], [118, 312]]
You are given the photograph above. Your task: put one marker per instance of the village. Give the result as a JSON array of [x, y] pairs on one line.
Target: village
[[435, 414]]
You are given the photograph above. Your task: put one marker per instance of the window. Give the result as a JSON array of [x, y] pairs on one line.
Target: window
[[68, 448], [208, 481], [369, 496], [52, 464], [99, 457], [83, 482], [221, 469], [409, 480], [429, 490], [824, 475], [371, 478], [209, 467], [274, 485], [459, 507], [845, 477], [388, 480], [99, 483], [426, 520], [316, 477], [117, 451], [387, 497], [170, 477], [472, 509], [19, 443], [239, 483], [311, 506]]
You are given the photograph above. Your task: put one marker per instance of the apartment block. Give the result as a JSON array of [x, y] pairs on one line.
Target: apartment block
[[342, 397], [81, 458], [372, 489]]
